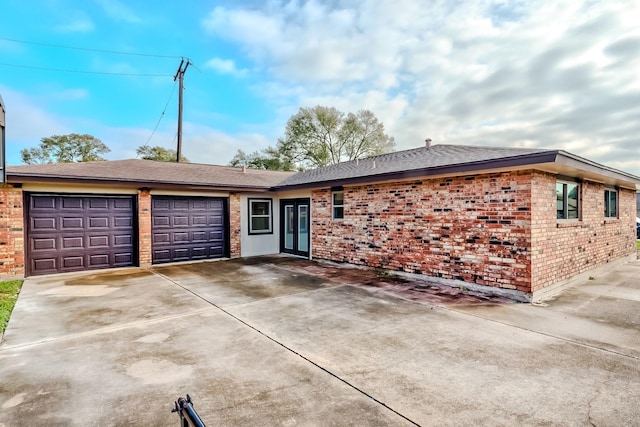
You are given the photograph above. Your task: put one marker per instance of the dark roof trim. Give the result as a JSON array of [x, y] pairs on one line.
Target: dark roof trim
[[35, 178], [507, 162], [577, 162]]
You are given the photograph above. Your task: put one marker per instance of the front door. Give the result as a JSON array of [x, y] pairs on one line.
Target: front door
[[294, 226]]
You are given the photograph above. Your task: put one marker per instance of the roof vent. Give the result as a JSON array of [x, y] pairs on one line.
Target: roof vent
[[427, 142], [374, 164]]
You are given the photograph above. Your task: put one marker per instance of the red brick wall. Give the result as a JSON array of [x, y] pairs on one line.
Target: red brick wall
[[474, 228], [562, 249], [144, 227], [12, 232], [235, 233]]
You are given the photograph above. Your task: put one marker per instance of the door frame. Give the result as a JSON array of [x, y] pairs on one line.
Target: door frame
[[297, 202]]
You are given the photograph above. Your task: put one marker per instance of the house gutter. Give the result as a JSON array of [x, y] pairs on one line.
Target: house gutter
[[36, 178], [477, 166]]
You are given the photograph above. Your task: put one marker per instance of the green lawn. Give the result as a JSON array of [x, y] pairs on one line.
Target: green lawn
[[638, 244], [8, 295]]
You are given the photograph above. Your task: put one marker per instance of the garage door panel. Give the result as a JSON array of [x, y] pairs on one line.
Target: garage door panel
[[186, 228], [74, 233], [98, 204], [124, 240], [72, 223], [44, 224], [70, 262], [46, 264], [72, 242], [99, 222], [123, 259], [72, 203], [122, 221], [99, 260], [48, 203], [44, 243], [161, 221], [98, 241]]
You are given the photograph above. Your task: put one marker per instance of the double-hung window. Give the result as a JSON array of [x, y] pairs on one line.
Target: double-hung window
[[260, 216], [610, 203], [567, 200], [337, 205]]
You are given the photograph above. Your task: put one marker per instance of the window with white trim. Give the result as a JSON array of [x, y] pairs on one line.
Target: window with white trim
[[610, 203], [337, 204], [260, 216], [567, 200]]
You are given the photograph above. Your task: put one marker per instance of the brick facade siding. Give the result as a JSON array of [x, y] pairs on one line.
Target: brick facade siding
[[475, 228], [12, 256], [235, 231], [564, 248], [493, 229], [144, 228]]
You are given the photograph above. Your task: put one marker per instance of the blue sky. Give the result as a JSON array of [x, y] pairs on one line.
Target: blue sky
[[501, 73]]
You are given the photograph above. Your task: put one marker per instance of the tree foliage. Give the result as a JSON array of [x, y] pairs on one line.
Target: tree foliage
[[65, 149], [269, 159], [159, 153], [321, 136]]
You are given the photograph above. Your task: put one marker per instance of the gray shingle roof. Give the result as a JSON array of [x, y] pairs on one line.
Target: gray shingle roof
[[149, 171], [416, 160]]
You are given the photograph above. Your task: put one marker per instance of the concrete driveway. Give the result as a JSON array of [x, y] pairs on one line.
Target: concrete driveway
[[284, 341]]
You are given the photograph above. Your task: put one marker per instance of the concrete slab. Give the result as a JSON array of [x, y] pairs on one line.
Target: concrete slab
[[283, 341]]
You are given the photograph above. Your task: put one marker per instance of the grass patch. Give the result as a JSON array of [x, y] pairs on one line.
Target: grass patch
[[638, 244], [8, 295]]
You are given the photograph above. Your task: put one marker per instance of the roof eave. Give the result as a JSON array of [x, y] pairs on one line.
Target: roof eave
[[14, 178], [461, 168]]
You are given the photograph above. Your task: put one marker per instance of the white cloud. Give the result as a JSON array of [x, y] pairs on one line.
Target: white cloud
[[80, 25], [119, 11], [225, 66], [508, 73]]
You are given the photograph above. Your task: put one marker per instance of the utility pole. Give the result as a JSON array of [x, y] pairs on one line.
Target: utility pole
[[182, 68]]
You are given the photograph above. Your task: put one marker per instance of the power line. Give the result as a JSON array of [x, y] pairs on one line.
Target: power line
[[105, 73], [163, 111], [113, 52]]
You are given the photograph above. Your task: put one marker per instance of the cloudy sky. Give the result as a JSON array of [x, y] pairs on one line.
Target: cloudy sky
[[550, 74]]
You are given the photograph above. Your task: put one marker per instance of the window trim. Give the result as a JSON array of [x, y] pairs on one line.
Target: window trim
[[565, 195], [250, 215], [334, 206], [615, 191]]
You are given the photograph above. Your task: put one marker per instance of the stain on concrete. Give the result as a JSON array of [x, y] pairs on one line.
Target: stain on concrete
[[14, 401], [153, 338], [79, 291], [421, 291], [105, 277], [159, 371]]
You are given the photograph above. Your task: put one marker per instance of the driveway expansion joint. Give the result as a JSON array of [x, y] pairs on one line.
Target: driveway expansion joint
[[289, 349]]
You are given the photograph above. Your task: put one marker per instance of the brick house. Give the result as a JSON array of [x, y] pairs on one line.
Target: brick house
[[524, 220]]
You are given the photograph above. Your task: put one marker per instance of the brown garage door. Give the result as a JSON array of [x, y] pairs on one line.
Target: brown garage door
[[188, 228], [74, 233]]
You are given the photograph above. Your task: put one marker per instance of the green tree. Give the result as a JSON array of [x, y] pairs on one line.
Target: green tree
[[321, 136], [65, 149], [159, 153], [269, 159]]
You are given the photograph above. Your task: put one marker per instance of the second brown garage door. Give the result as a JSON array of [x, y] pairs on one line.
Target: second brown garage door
[[188, 228]]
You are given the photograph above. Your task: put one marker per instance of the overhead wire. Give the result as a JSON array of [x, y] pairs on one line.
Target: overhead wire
[[105, 73], [113, 52], [173, 89]]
